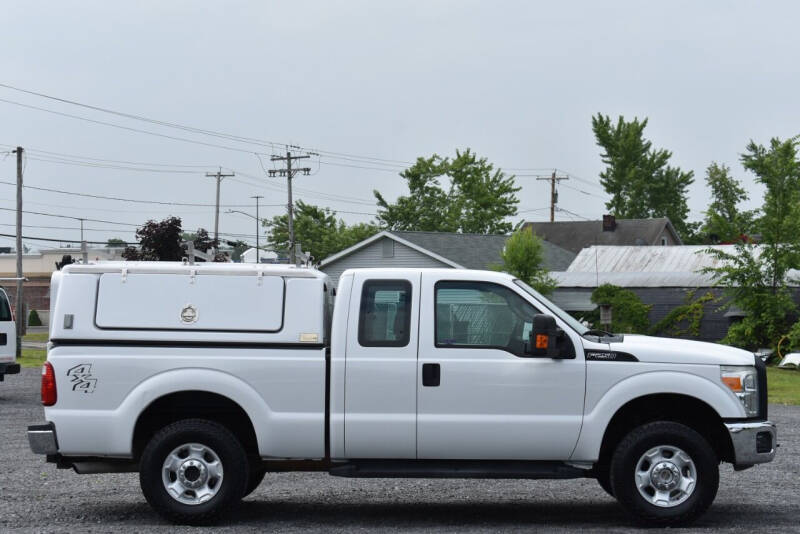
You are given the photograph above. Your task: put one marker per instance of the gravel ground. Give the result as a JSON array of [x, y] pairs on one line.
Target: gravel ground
[[36, 497]]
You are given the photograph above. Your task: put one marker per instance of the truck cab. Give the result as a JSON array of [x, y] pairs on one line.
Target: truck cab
[[204, 378]]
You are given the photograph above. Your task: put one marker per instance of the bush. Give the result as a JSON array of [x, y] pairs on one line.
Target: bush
[[629, 314], [684, 319], [33, 319]]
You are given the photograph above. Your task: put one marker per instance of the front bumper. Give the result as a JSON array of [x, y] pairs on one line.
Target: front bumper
[[42, 439], [8, 369], [753, 442]]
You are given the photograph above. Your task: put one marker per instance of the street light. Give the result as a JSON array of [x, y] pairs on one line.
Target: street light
[[258, 226]]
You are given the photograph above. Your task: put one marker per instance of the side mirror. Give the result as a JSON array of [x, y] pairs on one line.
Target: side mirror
[[544, 336]]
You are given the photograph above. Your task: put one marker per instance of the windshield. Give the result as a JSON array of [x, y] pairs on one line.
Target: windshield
[[555, 310]]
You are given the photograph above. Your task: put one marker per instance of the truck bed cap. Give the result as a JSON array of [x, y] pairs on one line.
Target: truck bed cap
[[175, 267]]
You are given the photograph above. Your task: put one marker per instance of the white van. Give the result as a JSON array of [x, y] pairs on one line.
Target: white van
[[8, 338]]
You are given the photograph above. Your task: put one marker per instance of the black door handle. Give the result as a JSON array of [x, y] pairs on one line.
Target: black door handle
[[431, 374]]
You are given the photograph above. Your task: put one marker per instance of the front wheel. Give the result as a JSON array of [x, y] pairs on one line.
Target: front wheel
[[664, 474], [193, 470]]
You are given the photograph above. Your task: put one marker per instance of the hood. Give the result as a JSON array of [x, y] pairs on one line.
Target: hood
[[670, 350]]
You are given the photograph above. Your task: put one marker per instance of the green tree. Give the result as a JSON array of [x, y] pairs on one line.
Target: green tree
[[724, 222], [115, 242], [523, 257], [755, 277], [238, 247], [628, 313], [158, 241], [203, 242], [638, 177], [317, 230], [477, 198]]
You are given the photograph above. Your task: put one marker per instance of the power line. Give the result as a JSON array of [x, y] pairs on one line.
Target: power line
[[62, 161], [158, 202], [212, 133], [574, 214], [273, 145], [99, 220], [128, 128], [230, 137]]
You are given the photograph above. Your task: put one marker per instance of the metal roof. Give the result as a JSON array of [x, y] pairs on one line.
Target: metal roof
[[686, 258], [633, 279], [645, 266]]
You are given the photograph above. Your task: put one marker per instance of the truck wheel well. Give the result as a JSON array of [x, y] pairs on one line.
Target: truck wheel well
[[683, 409], [194, 404]]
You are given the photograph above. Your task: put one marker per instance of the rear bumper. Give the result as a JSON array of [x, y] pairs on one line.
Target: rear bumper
[[8, 369], [753, 442], [42, 439]]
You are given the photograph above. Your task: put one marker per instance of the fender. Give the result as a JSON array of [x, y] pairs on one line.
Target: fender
[[111, 431], [596, 421]]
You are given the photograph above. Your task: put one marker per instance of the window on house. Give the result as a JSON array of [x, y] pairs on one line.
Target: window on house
[[385, 315], [663, 241], [388, 248]]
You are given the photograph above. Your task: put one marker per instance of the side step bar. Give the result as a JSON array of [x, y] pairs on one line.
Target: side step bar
[[456, 469]]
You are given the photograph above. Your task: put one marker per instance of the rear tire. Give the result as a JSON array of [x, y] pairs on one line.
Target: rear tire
[[664, 474], [193, 471]]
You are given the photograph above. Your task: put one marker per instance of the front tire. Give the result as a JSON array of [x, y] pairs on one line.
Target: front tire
[[603, 476], [192, 471], [256, 477], [664, 474]]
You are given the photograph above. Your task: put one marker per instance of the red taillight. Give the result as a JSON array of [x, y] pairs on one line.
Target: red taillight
[[49, 394]]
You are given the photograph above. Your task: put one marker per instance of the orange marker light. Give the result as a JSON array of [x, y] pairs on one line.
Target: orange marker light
[[733, 382], [541, 341]]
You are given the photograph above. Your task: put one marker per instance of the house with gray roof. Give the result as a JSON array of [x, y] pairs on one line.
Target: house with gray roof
[[432, 249], [577, 235]]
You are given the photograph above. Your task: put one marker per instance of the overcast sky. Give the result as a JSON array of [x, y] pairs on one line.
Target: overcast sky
[[517, 82]]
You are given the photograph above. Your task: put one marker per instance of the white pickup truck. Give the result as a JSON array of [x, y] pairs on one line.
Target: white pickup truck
[[205, 377]]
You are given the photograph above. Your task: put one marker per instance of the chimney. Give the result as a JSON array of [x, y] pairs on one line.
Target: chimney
[[609, 223]]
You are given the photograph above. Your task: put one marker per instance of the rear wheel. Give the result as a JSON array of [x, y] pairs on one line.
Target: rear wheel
[[193, 470], [664, 474]]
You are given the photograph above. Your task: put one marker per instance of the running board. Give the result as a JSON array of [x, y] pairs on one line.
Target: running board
[[456, 469]]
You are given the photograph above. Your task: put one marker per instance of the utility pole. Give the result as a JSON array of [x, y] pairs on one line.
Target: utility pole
[[289, 173], [84, 252], [219, 176], [21, 319], [553, 193], [258, 228]]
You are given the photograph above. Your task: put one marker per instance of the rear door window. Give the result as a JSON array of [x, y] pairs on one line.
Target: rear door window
[[385, 313], [5, 308]]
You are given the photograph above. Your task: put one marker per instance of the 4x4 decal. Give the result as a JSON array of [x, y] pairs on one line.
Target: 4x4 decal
[[81, 378]]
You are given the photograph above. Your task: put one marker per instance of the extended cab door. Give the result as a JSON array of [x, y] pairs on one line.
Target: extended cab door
[[480, 396], [380, 419]]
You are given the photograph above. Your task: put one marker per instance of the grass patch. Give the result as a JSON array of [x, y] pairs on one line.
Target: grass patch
[[783, 386], [40, 337], [32, 358]]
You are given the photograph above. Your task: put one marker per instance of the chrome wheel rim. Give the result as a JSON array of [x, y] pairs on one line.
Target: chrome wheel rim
[[665, 476], [192, 473]]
